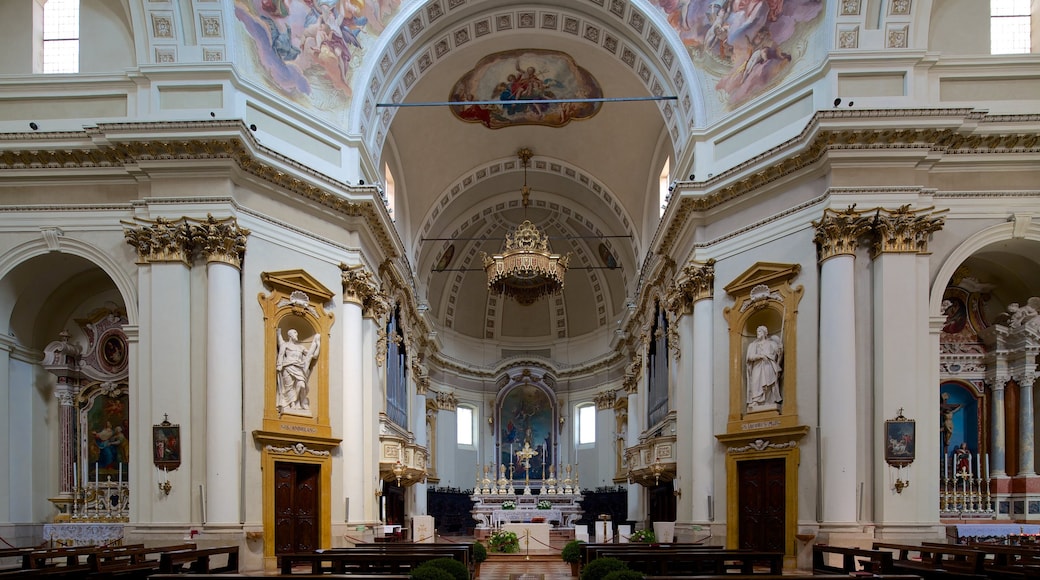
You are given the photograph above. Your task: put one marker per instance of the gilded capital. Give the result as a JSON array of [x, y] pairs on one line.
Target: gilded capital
[[220, 240], [359, 285], [838, 232], [904, 230], [605, 401], [161, 240], [695, 282]]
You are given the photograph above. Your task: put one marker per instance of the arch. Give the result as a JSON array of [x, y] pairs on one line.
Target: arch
[[527, 412], [634, 32], [966, 249], [31, 249]]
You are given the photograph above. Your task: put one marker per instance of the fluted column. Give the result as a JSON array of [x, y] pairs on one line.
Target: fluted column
[[997, 430], [164, 252], [222, 244], [418, 420], [903, 356], [636, 416], [836, 237], [358, 286]]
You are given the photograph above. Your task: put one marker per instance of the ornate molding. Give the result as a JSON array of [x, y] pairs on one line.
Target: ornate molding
[[298, 449], [838, 232], [446, 401], [904, 230], [160, 240], [759, 445], [359, 285], [220, 240]]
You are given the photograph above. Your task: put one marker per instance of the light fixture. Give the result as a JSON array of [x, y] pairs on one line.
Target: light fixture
[[399, 471], [526, 270]]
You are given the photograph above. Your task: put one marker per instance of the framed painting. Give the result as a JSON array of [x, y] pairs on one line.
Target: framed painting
[[900, 441], [166, 445]]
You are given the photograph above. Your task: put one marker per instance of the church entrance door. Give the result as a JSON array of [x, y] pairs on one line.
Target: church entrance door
[[296, 511], [762, 499]]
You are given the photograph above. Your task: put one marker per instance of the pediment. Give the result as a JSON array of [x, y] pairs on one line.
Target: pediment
[[770, 274], [293, 280]]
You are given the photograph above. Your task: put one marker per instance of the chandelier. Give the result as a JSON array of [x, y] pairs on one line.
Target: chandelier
[[526, 270]]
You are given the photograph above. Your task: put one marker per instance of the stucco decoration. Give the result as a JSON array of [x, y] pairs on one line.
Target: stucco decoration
[[308, 51], [749, 45], [525, 75]]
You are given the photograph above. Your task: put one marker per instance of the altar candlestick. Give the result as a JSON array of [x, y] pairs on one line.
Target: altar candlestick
[[987, 465], [978, 464], [120, 474], [75, 476], [97, 473]]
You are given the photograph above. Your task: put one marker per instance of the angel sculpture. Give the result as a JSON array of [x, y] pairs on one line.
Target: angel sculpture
[[293, 367]]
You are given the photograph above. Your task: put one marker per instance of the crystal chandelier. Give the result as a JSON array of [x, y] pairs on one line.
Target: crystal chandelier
[[526, 269]]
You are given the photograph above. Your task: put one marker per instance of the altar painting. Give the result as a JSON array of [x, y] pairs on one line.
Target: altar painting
[[526, 75], [106, 422], [526, 416]]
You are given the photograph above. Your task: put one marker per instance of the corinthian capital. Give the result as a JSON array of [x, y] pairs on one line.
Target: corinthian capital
[[695, 282], [838, 232], [359, 284], [161, 240], [904, 230], [220, 240]]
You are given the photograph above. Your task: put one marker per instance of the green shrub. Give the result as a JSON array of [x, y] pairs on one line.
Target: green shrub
[[504, 541], [624, 575], [644, 536], [600, 567], [456, 570], [479, 552], [425, 572], [571, 551]]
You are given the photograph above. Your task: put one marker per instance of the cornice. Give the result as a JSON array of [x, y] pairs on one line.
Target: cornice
[[127, 145], [941, 131]]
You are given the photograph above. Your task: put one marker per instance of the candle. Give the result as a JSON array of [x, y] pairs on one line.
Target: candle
[[97, 473], [978, 464], [75, 476], [987, 466], [120, 474], [946, 467]]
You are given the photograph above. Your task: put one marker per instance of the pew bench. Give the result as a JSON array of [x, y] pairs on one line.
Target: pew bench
[[853, 560], [199, 560], [695, 561], [936, 561]]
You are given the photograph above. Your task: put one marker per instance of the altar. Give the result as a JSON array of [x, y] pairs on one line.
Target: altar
[[83, 534], [499, 517], [533, 537]]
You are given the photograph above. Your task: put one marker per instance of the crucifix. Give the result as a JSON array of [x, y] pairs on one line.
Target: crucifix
[[526, 454]]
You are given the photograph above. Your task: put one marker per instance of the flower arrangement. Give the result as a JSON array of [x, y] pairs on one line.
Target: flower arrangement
[[503, 541], [545, 504], [509, 505], [644, 536]]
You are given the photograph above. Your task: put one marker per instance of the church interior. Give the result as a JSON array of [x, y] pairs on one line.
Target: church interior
[[292, 275]]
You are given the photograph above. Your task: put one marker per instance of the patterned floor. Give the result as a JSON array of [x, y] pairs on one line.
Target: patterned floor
[[537, 568]]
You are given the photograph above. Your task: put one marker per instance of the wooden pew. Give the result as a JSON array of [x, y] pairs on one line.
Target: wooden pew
[[370, 559], [939, 561], [585, 549], [661, 561], [1006, 562], [130, 561], [198, 560], [853, 560]]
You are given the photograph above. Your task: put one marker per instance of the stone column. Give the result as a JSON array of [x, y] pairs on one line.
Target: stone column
[[61, 358], [636, 416], [223, 244], [164, 252], [417, 417], [998, 429], [905, 374], [1026, 438], [358, 286], [837, 238]]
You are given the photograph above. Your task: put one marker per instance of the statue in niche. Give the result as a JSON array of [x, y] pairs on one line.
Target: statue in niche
[[294, 363], [764, 366]]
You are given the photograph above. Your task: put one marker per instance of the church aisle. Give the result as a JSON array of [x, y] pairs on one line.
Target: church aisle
[[520, 569]]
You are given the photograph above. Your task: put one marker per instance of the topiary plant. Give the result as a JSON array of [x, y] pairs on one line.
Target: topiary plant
[[624, 575], [425, 572], [600, 567], [479, 553], [571, 551], [456, 569]]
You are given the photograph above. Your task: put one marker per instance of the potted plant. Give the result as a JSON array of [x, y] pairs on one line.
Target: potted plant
[[504, 541], [509, 505], [479, 555], [644, 536], [571, 553], [544, 504]]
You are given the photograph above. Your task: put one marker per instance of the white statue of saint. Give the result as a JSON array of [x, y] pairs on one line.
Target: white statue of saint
[[764, 366], [293, 368]]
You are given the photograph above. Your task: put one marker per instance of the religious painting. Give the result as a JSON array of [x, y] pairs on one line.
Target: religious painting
[[900, 441], [166, 445], [310, 50], [607, 256], [106, 415], [501, 84], [112, 352], [526, 417], [748, 44], [446, 259]]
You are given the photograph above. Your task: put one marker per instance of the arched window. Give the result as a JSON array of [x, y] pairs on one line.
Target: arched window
[[396, 371], [61, 36], [585, 424], [1009, 26], [663, 185], [464, 417], [389, 192], [657, 366]]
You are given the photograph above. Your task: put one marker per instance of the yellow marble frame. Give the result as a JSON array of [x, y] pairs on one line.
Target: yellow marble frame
[[296, 438]]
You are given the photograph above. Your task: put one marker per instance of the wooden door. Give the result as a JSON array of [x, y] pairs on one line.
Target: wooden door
[[296, 496], [394, 502], [762, 504], [662, 503]]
